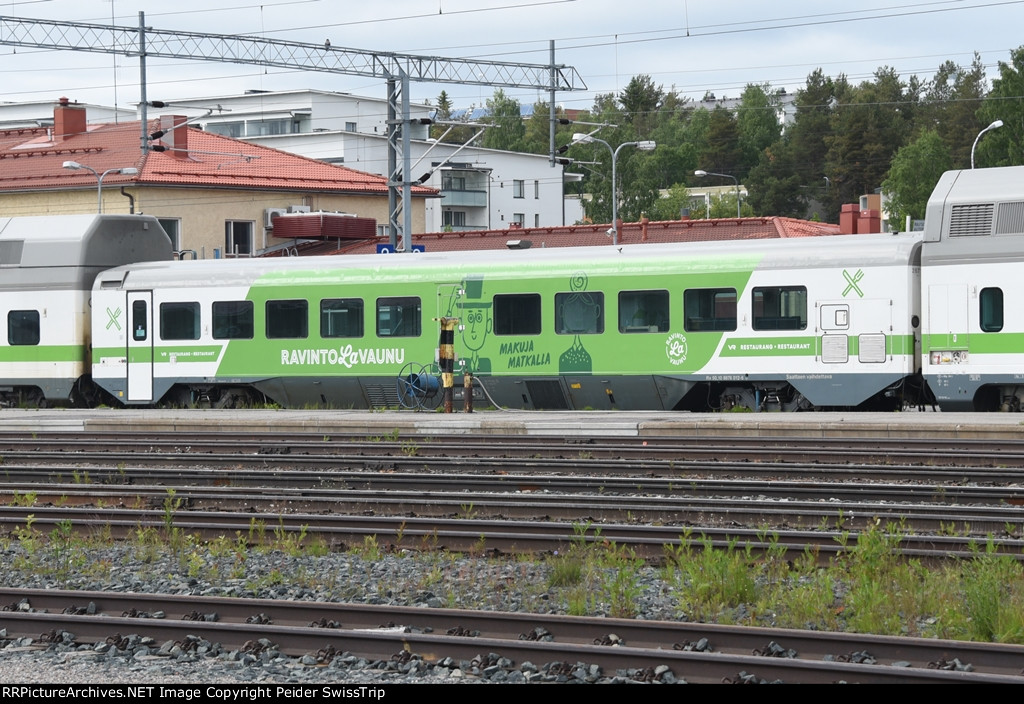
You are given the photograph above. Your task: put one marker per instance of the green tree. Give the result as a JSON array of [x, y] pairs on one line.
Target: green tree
[[721, 149], [1003, 147], [757, 125], [950, 105], [508, 132], [777, 184], [670, 206], [640, 101], [443, 107], [447, 133], [871, 122], [811, 126], [915, 170], [537, 137]]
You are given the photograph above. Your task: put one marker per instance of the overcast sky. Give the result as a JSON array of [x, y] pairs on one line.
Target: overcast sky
[[695, 46]]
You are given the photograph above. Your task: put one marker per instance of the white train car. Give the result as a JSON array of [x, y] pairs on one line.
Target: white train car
[[972, 281], [47, 268], [831, 322], [767, 325]]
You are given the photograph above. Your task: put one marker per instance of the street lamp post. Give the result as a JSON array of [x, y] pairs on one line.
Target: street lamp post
[[645, 145], [700, 173], [994, 126], [75, 166]]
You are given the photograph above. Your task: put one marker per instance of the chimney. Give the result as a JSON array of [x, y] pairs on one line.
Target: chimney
[[68, 120], [848, 218], [175, 135]]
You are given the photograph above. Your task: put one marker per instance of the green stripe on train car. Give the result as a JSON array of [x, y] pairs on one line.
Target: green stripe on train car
[[976, 342], [43, 353]]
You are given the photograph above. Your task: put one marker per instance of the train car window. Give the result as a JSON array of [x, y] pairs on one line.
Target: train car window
[[517, 314], [23, 327], [991, 313], [643, 311], [709, 309], [579, 313], [287, 320], [140, 324], [399, 317], [780, 308], [232, 320], [341, 317], [179, 321]]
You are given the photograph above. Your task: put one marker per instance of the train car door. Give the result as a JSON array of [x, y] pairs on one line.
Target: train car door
[[140, 346], [947, 322]]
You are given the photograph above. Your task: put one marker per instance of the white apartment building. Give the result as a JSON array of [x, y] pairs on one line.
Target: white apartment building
[[481, 189], [39, 113]]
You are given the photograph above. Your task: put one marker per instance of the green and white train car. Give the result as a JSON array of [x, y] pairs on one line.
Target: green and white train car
[[47, 269], [972, 281], [768, 324]]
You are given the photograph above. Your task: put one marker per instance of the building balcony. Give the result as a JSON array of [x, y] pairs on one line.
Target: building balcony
[[464, 198]]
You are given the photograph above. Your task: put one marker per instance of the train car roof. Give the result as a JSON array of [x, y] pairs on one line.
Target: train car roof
[[992, 185], [102, 241], [839, 250]]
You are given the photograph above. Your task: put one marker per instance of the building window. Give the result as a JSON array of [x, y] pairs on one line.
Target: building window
[[780, 308], [453, 183], [287, 320], [232, 320], [453, 218], [179, 321], [517, 314], [518, 189], [536, 190], [709, 309], [519, 219], [227, 129], [991, 313], [261, 128], [643, 311], [23, 327], [172, 226], [238, 238], [536, 219], [341, 317], [579, 313], [398, 317], [350, 127]]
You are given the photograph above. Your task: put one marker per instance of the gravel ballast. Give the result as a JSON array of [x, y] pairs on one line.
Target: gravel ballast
[[436, 580]]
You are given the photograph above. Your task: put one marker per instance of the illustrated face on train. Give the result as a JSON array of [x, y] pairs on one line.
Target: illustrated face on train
[[478, 325]]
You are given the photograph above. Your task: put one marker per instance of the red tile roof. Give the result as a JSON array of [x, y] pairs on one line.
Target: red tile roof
[[32, 159], [591, 235]]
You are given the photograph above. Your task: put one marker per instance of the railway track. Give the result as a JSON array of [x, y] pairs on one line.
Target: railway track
[[516, 494], [970, 511], [926, 452], [484, 495], [696, 653], [474, 535]]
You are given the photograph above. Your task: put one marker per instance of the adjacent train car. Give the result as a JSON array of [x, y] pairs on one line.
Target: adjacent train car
[[47, 269], [767, 325], [973, 336]]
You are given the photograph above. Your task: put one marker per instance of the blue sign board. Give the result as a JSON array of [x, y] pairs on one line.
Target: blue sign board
[[388, 249]]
